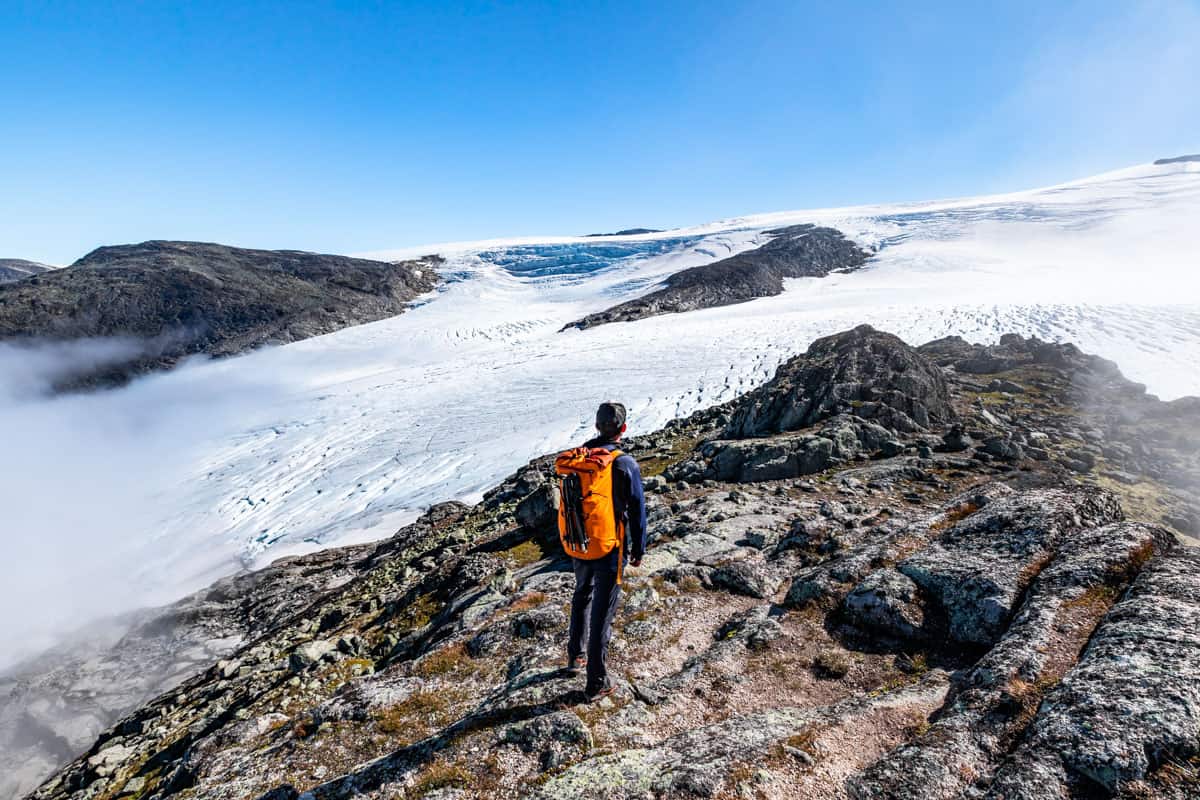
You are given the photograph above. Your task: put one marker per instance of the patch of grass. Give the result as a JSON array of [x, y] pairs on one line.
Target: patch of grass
[[637, 616], [892, 684], [1028, 696], [663, 586], [953, 516], [790, 749], [832, 663], [1178, 775], [993, 398], [525, 602], [441, 775], [809, 614], [593, 713], [305, 727], [419, 613], [690, 584], [722, 687], [1138, 558], [339, 673], [1033, 569], [443, 662], [742, 772], [805, 740], [781, 666], [413, 717], [915, 664], [677, 452], [524, 554], [150, 782], [1095, 599], [1143, 500]]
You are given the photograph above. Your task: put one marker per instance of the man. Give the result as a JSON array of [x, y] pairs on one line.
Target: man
[[597, 587]]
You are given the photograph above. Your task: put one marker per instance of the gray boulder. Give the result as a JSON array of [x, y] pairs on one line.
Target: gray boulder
[[552, 736], [1003, 447], [311, 653], [531, 623], [745, 577], [955, 440], [539, 510], [886, 601], [784, 457]]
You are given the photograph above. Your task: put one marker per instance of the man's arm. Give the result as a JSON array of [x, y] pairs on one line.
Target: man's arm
[[635, 508]]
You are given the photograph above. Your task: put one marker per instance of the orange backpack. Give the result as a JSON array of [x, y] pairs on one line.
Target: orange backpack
[[586, 524]]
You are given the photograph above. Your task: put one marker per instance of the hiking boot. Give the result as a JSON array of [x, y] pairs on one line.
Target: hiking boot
[[601, 693]]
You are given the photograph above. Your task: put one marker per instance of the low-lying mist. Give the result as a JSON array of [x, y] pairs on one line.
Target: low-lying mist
[[77, 517]]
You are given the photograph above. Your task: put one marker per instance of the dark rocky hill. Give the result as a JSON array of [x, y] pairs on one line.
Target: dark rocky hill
[[952, 571], [798, 251], [629, 232], [14, 269], [1178, 159], [183, 298]]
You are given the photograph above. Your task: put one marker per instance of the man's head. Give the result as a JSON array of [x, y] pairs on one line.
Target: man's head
[[610, 420]]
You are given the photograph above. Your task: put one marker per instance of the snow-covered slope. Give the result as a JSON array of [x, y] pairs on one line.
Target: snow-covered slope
[[159, 487]]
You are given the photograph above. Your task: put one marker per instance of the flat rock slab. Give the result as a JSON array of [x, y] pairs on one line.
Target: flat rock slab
[[697, 763], [981, 565], [972, 735], [1133, 702]]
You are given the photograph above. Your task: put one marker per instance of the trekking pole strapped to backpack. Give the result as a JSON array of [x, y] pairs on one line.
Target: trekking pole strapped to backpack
[[571, 497]]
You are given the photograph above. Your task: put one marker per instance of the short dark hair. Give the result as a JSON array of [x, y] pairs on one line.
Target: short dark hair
[[609, 418]]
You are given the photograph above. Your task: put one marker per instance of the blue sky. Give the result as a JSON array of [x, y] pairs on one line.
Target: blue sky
[[348, 127]]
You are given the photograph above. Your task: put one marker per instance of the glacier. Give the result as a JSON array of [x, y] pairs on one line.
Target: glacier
[[127, 498]]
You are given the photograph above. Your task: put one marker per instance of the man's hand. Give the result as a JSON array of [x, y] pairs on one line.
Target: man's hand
[[635, 562]]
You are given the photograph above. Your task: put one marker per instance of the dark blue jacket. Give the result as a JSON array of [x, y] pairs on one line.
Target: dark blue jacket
[[629, 501]]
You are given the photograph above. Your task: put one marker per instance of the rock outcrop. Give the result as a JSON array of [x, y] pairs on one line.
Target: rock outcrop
[[15, 269], [907, 621], [798, 251], [1125, 718], [182, 298], [863, 372], [855, 394]]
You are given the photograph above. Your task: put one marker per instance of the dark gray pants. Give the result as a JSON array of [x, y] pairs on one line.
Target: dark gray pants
[[592, 610]]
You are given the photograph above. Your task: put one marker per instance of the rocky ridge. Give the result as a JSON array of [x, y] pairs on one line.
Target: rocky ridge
[[1178, 159], [15, 269], [177, 299], [981, 587], [797, 251], [627, 232]]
